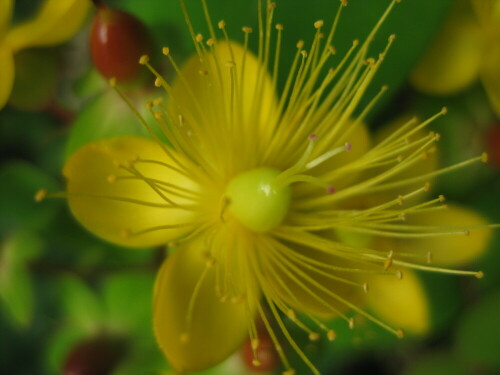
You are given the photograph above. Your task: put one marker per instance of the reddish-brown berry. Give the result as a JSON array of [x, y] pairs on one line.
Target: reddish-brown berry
[[117, 41]]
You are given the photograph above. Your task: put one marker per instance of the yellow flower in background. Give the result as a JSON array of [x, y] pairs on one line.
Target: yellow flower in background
[[279, 207], [466, 48], [56, 22]]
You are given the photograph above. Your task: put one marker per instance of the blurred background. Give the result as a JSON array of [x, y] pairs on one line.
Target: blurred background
[[72, 304]]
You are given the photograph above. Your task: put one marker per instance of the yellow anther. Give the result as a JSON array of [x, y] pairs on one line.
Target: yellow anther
[[40, 195], [202, 72], [149, 105], [427, 187], [331, 335], [165, 51], [230, 64], [318, 24], [314, 336], [442, 198], [400, 333], [300, 44], [144, 59], [343, 2], [304, 54], [332, 50], [392, 37], [399, 274], [272, 5], [126, 233], [111, 178], [351, 323], [289, 372], [247, 30], [112, 81], [484, 157], [256, 362], [279, 26], [444, 110], [355, 43], [158, 101], [221, 24], [210, 42], [479, 275], [184, 337], [199, 38], [255, 343], [291, 314], [158, 82]]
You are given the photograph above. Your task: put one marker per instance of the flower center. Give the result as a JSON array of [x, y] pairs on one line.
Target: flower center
[[257, 200]]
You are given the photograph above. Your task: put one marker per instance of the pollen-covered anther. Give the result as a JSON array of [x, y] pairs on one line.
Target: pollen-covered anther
[[40, 195], [256, 362], [388, 261], [303, 53], [211, 42], [221, 24], [392, 37], [355, 42], [331, 335], [272, 5], [314, 336], [254, 343], [165, 51], [300, 44], [442, 198], [351, 323], [144, 59], [289, 372], [111, 179], [425, 155], [149, 105], [479, 275], [157, 115], [332, 50], [427, 187], [484, 157], [247, 30], [400, 333], [158, 101], [291, 315], [444, 110], [126, 233], [112, 81], [158, 82], [318, 24], [199, 38], [279, 27]]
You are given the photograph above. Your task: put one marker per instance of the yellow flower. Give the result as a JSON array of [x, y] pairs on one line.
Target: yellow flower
[[56, 22], [278, 205], [466, 48]]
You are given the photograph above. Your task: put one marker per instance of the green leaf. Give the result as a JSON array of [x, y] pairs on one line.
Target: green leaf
[[128, 300], [20, 182], [35, 81], [440, 364], [16, 285], [478, 335], [81, 305]]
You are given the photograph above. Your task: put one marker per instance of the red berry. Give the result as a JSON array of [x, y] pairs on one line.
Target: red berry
[[117, 41], [267, 356], [493, 146], [96, 356]]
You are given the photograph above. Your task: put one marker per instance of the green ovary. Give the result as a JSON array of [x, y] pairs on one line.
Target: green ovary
[[256, 200]]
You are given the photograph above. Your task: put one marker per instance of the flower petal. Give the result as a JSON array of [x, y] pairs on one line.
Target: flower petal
[[56, 22], [5, 15], [449, 250], [214, 83], [399, 303], [216, 329], [93, 198], [452, 61], [7, 72]]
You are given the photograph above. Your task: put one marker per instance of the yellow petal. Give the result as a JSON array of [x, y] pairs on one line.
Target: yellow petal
[[89, 188], [490, 74], [5, 15], [7, 72], [451, 62], [56, 22], [454, 250], [217, 82], [399, 303], [216, 329]]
